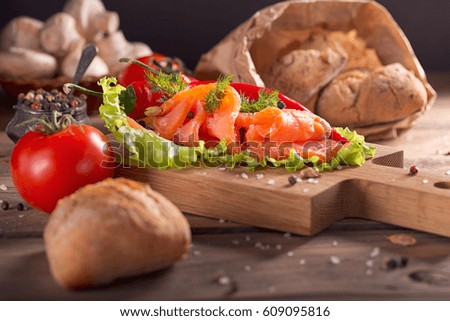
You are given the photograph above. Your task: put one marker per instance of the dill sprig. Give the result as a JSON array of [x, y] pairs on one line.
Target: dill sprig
[[265, 99], [213, 98], [166, 84]]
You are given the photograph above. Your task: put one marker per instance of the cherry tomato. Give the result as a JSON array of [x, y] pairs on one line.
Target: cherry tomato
[[48, 167], [156, 61]]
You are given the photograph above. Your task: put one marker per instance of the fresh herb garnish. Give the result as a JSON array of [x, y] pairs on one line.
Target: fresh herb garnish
[[213, 98], [265, 99], [166, 84]]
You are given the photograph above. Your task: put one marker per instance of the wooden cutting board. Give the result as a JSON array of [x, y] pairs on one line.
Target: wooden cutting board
[[380, 190]]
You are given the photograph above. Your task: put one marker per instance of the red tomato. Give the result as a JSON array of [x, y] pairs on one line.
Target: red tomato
[[135, 73], [46, 168]]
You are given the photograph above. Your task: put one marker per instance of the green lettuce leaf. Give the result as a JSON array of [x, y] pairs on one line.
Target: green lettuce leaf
[[147, 149]]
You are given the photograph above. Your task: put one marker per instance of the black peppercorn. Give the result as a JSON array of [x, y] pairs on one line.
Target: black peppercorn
[[190, 115], [403, 261], [390, 264], [281, 104], [20, 207], [292, 179], [4, 205]]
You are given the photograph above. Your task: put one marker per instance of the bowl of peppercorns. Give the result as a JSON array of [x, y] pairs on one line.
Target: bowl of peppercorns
[[42, 104]]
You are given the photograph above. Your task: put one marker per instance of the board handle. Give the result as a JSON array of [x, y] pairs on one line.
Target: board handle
[[420, 202]]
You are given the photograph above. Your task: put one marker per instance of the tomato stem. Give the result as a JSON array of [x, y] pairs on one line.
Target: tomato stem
[[52, 125]]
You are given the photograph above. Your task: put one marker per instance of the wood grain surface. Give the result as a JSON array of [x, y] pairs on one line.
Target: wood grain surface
[[377, 191], [261, 264]]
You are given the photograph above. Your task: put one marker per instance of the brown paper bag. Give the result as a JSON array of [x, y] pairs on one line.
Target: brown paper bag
[[266, 36]]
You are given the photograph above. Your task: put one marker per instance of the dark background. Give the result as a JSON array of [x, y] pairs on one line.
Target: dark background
[[188, 28]]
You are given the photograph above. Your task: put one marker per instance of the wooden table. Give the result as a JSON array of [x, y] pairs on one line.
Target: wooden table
[[258, 263]]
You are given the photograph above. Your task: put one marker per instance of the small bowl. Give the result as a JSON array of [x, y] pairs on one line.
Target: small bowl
[[16, 127]]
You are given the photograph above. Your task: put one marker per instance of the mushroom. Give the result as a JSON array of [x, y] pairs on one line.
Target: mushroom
[[104, 24], [21, 32], [92, 18], [97, 68], [27, 63], [59, 34]]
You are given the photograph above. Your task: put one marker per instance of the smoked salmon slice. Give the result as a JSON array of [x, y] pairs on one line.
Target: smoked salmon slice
[[173, 122]]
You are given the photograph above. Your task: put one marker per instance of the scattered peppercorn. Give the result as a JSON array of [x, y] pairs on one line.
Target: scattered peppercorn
[[190, 115], [413, 170], [403, 261], [4, 205], [390, 264], [292, 179], [20, 207], [281, 104]]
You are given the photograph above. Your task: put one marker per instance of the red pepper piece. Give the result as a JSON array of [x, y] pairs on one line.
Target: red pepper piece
[[155, 61], [137, 97]]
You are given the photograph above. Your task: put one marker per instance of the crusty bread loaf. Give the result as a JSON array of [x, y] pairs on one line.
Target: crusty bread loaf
[[113, 229], [300, 74], [337, 103], [359, 55], [359, 98]]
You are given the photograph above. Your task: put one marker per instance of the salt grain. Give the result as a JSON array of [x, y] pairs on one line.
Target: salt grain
[[221, 221], [369, 263], [196, 253], [375, 252], [3, 187], [258, 244], [425, 181], [244, 176], [335, 260], [305, 190], [272, 289], [278, 247], [21, 216], [271, 182], [235, 242], [222, 168], [302, 262], [224, 280], [335, 243], [313, 181], [290, 254], [248, 268], [248, 238], [448, 172], [339, 167], [287, 235], [369, 272], [259, 176]]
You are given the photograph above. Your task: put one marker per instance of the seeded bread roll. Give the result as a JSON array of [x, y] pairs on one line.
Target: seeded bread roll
[[113, 229], [300, 74], [387, 94]]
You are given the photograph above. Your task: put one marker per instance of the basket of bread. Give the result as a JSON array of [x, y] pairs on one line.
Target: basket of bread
[[347, 61]]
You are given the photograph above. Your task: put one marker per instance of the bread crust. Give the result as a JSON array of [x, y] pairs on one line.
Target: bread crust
[[113, 229]]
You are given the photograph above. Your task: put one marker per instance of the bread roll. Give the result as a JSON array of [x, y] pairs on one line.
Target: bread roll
[[59, 34], [359, 56], [337, 102], [300, 74], [358, 98], [26, 63], [113, 229], [21, 32]]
